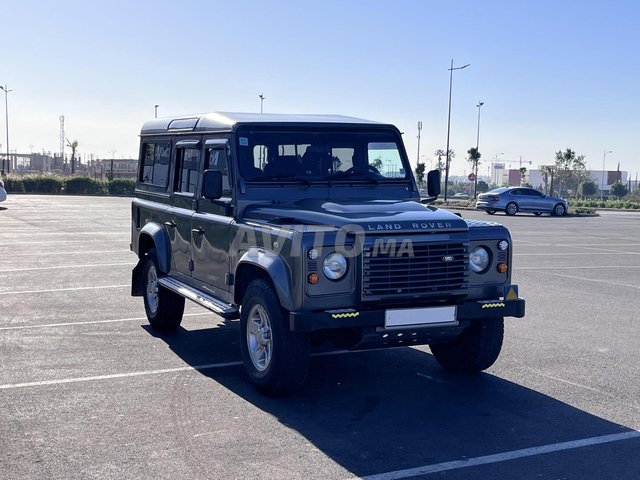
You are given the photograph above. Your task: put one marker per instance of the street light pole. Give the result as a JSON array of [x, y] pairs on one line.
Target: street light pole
[[604, 157], [156, 110], [418, 155], [446, 175], [6, 116], [262, 97], [475, 181]]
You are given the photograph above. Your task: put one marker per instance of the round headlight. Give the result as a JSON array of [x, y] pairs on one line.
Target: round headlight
[[479, 259], [334, 266]]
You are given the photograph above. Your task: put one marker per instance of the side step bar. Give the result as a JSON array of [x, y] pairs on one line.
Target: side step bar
[[217, 306]]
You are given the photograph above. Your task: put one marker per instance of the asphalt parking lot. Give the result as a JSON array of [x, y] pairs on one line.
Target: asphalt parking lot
[[87, 390]]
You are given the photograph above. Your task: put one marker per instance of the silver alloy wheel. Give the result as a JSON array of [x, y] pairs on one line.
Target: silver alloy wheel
[[259, 340], [559, 210], [153, 298], [512, 209]]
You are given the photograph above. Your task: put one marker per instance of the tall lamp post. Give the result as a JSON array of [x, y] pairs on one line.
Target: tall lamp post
[[418, 155], [262, 97], [475, 180], [446, 170], [156, 110], [604, 157], [6, 116]]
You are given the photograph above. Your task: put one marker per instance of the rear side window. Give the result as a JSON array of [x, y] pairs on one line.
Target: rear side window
[[154, 169]]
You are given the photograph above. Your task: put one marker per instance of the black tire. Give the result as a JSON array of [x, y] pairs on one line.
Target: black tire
[[511, 208], [476, 349], [537, 214], [276, 359], [490, 211], [164, 308], [559, 210]]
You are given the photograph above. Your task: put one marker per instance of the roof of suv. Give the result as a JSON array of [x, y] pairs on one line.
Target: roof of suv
[[224, 121]]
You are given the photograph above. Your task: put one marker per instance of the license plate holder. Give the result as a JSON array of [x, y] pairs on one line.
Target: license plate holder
[[420, 317]]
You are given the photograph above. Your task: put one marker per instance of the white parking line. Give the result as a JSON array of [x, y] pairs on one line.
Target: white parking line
[[65, 267], [600, 267], [502, 457], [93, 322], [53, 290], [11, 386], [574, 277], [76, 252], [573, 253]]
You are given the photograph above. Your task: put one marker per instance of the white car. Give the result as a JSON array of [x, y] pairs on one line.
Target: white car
[[3, 192]]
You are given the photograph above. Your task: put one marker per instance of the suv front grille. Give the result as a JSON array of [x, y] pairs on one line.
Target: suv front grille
[[426, 269]]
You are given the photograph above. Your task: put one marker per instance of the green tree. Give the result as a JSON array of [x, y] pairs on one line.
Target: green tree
[[439, 154], [377, 164], [571, 170], [523, 174], [74, 146], [483, 186], [588, 188], [618, 190], [420, 172], [474, 157]]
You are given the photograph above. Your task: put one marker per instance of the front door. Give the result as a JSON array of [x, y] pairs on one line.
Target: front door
[[211, 224]]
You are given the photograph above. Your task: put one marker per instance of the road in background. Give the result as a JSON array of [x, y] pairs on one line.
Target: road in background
[[89, 391]]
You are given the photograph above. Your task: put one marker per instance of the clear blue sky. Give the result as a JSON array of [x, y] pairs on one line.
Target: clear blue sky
[[552, 74]]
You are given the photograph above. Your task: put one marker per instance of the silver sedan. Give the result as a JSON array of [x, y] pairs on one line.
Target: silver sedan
[[512, 200]]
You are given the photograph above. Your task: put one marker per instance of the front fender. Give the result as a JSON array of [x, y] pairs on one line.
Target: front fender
[[275, 268]]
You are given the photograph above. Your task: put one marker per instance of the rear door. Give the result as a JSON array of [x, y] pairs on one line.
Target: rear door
[[182, 203]]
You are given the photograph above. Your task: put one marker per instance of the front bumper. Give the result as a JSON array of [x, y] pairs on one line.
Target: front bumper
[[353, 318]]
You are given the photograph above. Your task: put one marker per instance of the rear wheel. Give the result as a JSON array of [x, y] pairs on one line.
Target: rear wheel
[[164, 308], [490, 211], [276, 359], [559, 210], [537, 214], [511, 208], [476, 349]]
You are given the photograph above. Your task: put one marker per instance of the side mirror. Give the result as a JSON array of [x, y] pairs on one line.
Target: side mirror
[[433, 183], [212, 184]]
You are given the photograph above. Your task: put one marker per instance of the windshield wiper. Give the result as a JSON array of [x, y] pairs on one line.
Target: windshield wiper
[[284, 176]]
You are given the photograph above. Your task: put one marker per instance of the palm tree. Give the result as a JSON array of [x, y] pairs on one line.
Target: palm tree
[[74, 146]]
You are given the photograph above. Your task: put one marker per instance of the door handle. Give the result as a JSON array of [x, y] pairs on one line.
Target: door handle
[[198, 231], [170, 224]]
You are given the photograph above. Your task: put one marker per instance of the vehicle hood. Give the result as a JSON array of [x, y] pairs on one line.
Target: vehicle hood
[[374, 216]]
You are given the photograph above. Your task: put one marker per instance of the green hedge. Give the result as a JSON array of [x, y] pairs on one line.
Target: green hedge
[[122, 186], [69, 185], [84, 186], [630, 204]]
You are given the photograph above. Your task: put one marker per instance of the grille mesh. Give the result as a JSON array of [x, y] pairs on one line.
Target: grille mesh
[[426, 268]]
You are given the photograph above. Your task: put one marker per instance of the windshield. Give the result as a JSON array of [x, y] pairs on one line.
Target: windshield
[[307, 156]]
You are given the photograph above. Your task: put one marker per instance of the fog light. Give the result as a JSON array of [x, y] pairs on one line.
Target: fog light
[[502, 268], [313, 278]]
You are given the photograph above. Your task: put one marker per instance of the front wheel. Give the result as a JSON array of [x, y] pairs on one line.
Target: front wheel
[[559, 210], [276, 359], [476, 349], [164, 308]]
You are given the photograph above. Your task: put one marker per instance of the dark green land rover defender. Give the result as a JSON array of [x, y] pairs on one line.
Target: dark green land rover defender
[[310, 229]]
